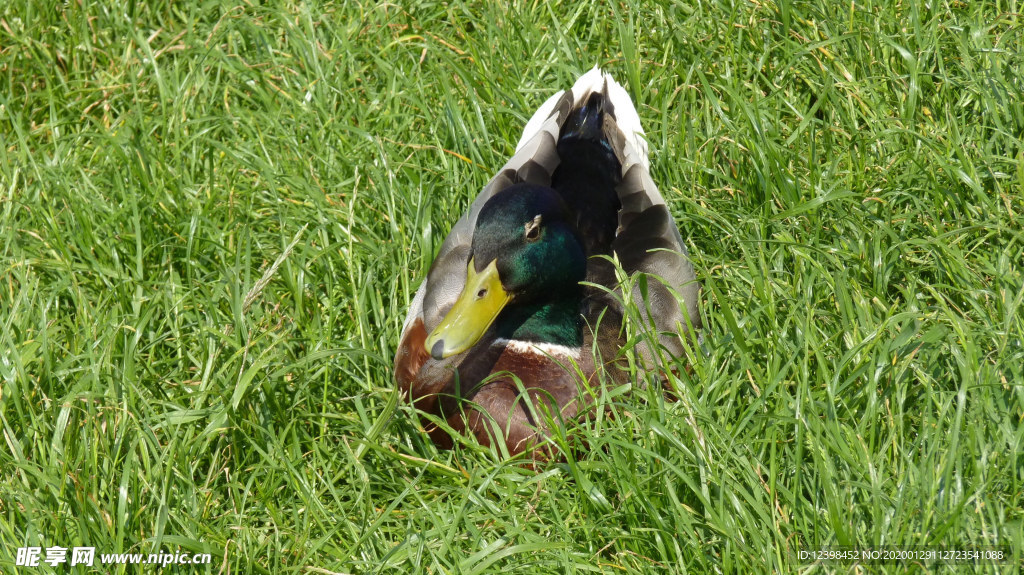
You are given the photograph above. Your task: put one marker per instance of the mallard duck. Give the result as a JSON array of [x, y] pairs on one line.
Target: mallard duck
[[508, 332]]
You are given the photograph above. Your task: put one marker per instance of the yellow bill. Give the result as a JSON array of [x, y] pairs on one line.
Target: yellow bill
[[480, 302]]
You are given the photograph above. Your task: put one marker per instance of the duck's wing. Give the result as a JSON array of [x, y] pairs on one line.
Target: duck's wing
[[647, 240]]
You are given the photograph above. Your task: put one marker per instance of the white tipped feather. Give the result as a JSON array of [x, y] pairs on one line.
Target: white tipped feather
[[626, 117], [538, 119]]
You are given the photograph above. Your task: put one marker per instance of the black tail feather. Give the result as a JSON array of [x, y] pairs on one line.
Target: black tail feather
[[589, 171]]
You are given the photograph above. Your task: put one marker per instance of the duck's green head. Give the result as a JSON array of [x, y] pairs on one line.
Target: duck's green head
[[525, 252]]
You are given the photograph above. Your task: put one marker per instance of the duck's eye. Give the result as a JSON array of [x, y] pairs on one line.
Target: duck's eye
[[532, 229]]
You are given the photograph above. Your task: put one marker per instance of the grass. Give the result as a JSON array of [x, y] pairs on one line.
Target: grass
[[212, 221]]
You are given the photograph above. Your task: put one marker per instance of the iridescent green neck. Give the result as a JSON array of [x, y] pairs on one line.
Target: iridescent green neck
[[557, 322]]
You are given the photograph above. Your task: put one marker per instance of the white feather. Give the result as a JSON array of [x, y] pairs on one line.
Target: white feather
[[539, 348], [533, 127]]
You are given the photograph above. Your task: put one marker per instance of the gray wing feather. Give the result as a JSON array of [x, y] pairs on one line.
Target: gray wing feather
[[648, 242]]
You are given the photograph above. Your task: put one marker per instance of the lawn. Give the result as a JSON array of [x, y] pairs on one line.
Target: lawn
[[213, 218]]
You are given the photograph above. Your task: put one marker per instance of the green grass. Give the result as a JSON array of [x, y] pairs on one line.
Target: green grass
[[212, 221]]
